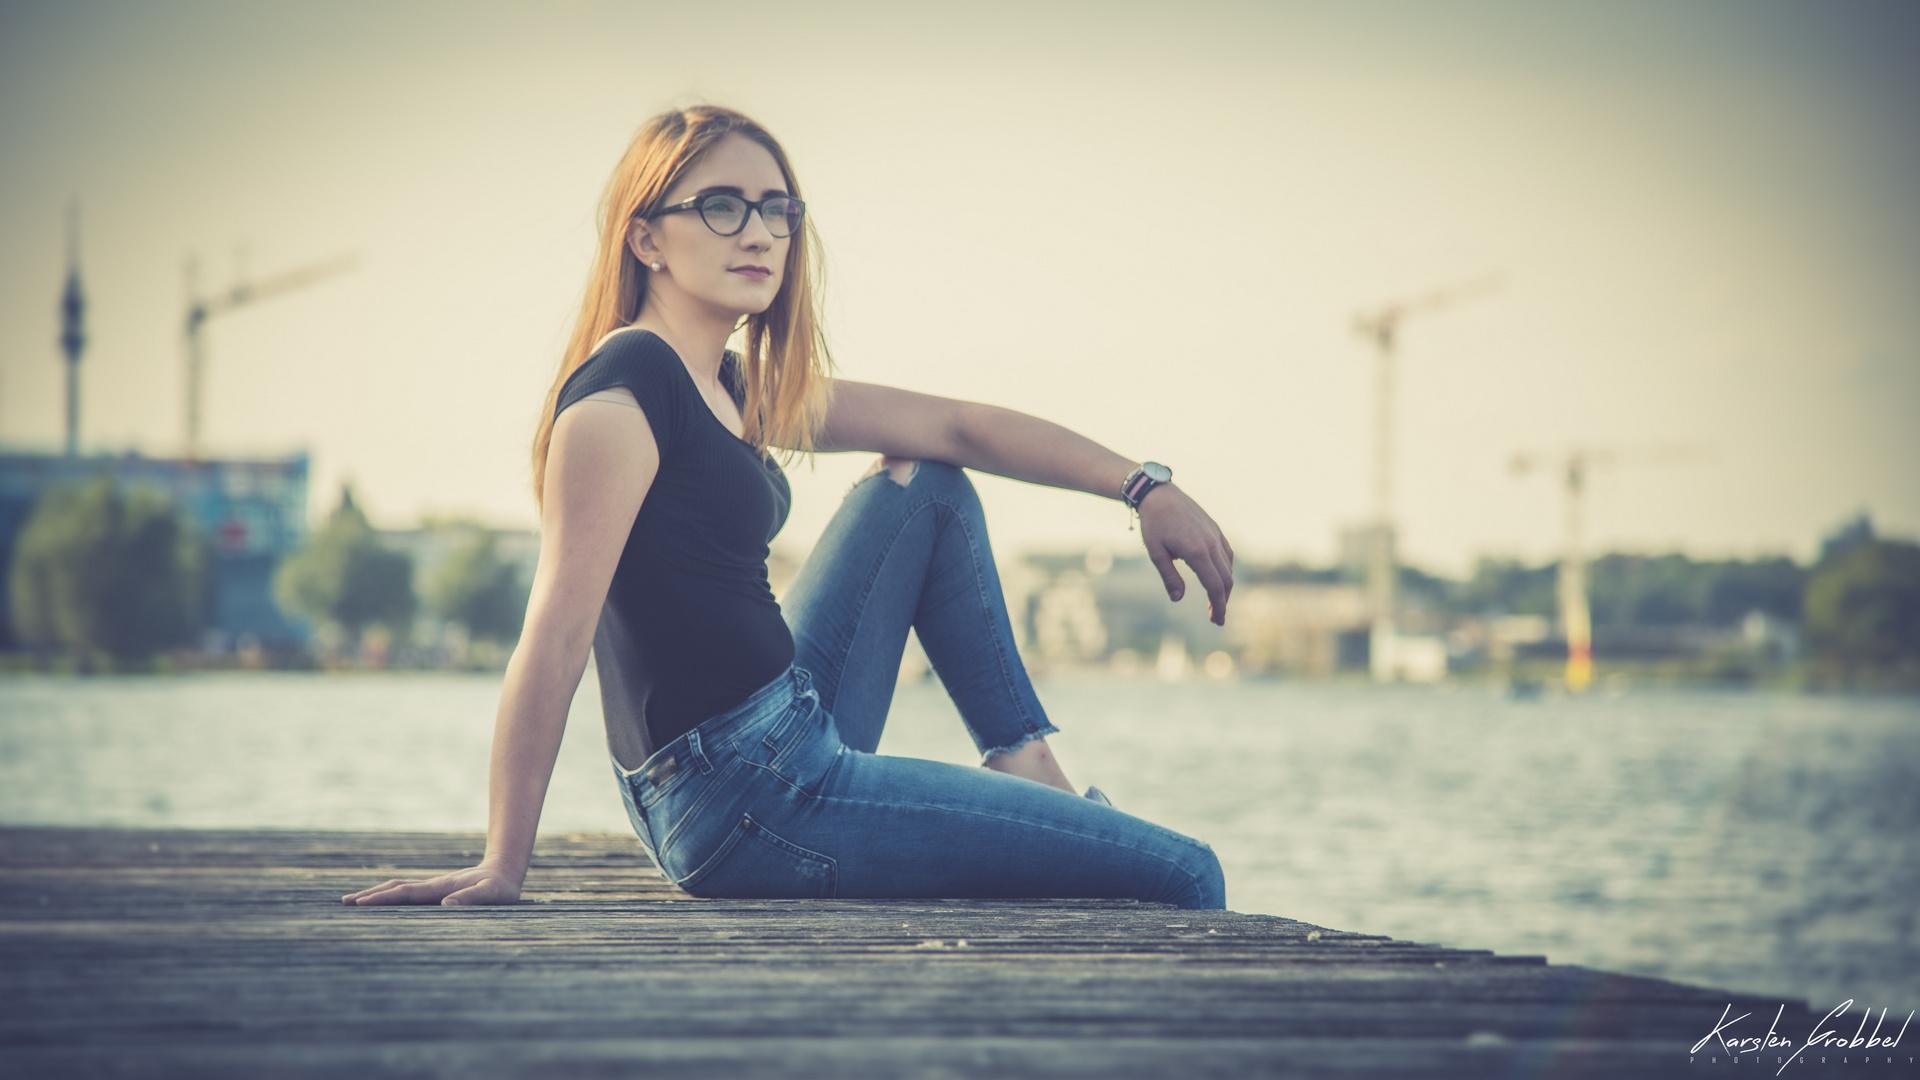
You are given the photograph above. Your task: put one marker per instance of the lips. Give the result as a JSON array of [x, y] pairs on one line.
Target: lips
[[757, 273]]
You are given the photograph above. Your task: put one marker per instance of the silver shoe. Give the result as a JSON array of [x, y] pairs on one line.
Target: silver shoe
[[1098, 796]]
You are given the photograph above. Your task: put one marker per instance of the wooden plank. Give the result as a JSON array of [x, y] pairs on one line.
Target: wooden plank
[[227, 953]]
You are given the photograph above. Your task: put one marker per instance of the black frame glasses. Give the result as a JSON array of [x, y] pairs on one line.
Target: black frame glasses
[[699, 203]]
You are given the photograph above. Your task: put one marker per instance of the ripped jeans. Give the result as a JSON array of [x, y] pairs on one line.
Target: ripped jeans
[[783, 796]]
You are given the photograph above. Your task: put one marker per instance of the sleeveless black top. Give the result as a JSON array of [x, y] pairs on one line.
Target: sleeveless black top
[[690, 627]]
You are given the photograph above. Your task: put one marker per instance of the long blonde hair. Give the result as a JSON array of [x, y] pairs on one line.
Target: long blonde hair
[[785, 367]]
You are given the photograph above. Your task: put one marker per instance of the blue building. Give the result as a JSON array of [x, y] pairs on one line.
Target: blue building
[[254, 513]]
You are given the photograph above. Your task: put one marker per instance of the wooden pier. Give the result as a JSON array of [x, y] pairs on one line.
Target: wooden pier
[[207, 954]]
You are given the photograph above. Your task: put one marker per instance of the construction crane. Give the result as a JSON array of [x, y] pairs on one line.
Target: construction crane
[[1575, 464], [202, 308], [1381, 328]]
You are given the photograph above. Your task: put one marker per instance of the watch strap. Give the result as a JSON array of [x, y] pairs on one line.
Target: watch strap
[[1136, 486]]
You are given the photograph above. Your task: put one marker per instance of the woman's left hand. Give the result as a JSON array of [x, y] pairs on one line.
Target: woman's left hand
[[1174, 527]]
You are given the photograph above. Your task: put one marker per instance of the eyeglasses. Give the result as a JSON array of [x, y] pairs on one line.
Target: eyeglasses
[[726, 215]]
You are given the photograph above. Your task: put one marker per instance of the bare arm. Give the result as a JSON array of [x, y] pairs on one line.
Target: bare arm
[[904, 424], [601, 463]]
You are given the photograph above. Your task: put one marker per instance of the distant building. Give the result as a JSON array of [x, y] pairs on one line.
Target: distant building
[[254, 513], [1073, 610], [1305, 628], [1066, 621], [1412, 657]]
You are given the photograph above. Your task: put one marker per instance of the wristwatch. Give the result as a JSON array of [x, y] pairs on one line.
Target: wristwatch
[[1149, 475]]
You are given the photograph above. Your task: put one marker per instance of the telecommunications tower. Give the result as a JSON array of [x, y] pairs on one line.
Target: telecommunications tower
[[73, 328]]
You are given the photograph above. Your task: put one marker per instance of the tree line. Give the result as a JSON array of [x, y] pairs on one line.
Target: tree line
[[116, 578], [1857, 604]]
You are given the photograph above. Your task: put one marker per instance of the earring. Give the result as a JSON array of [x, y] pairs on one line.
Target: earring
[[656, 268]]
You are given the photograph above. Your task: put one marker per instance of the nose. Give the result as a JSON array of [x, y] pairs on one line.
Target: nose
[[755, 236]]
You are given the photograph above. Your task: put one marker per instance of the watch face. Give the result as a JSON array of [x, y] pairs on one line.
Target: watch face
[[1156, 472]]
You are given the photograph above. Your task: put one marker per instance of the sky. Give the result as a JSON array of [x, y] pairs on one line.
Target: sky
[[1154, 223]]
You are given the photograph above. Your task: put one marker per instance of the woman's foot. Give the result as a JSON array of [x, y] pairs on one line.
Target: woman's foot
[[1033, 761]]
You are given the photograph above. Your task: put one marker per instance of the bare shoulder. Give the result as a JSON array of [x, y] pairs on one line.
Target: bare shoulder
[[603, 448], [616, 395]]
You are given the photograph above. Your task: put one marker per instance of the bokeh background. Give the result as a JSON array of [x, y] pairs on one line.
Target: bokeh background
[[1151, 222], [1690, 242]]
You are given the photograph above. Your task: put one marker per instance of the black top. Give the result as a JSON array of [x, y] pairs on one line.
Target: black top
[[690, 627]]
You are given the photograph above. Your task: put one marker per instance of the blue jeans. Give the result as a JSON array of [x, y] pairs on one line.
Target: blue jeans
[[782, 796]]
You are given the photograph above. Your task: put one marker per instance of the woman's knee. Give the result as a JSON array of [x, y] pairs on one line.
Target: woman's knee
[[947, 480], [1199, 882], [921, 476], [900, 470]]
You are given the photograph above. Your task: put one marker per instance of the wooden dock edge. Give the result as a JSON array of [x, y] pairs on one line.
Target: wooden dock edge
[[221, 952]]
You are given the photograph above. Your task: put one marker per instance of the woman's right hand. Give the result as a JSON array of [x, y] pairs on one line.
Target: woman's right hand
[[481, 884]]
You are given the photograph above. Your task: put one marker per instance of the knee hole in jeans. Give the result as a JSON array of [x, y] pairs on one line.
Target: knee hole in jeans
[[900, 470]]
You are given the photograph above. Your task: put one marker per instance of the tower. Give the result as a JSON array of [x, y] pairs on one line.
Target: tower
[[73, 330]]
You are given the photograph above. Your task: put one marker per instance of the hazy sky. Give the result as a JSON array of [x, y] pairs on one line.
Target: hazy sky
[[1150, 222]]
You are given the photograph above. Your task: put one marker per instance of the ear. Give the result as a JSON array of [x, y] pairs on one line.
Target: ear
[[640, 241]]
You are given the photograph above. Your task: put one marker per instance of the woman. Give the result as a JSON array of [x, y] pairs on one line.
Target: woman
[[743, 737]]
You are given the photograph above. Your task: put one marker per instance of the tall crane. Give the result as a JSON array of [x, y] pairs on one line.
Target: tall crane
[[202, 308], [1381, 328], [1574, 464]]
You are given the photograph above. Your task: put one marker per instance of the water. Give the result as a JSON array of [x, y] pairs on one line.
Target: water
[[1768, 844]]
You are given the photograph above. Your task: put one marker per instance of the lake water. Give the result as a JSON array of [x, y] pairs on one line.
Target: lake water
[[1764, 843]]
